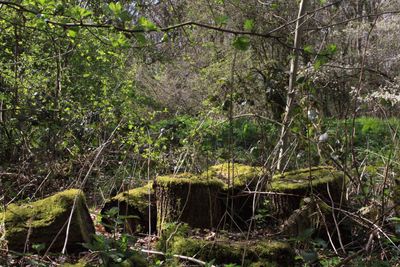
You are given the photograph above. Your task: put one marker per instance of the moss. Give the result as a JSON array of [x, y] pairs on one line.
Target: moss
[[187, 178], [300, 179], [236, 178], [324, 181], [263, 264], [139, 197], [206, 251], [44, 219], [236, 175], [268, 248], [80, 263], [270, 253], [136, 260], [188, 198], [134, 205], [169, 232], [40, 213]]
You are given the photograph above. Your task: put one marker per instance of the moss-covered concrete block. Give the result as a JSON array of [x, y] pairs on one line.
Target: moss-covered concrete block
[[135, 207], [44, 222], [188, 198], [235, 175], [291, 187], [256, 253], [237, 179]]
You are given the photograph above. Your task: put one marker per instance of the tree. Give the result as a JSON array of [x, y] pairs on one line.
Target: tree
[[292, 81]]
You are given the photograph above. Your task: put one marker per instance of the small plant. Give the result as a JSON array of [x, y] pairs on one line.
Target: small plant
[[169, 232], [330, 261], [263, 214], [38, 247], [115, 221], [116, 252]]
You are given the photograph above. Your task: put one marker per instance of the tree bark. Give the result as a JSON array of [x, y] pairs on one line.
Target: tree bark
[[292, 81]]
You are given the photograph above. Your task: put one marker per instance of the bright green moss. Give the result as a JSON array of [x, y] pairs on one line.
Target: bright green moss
[[137, 196], [136, 260], [135, 193], [40, 213], [269, 253], [303, 178], [187, 178], [268, 248], [80, 263], [43, 220], [205, 250], [236, 175]]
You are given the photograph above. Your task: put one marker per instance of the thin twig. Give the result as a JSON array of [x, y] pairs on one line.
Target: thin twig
[[177, 256], [100, 150]]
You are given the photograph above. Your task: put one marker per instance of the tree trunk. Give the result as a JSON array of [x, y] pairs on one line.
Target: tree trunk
[[292, 80]]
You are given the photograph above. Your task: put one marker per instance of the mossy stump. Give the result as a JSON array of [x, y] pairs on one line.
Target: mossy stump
[[44, 223], [136, 208], [224, 251], [291, 187], [237, 179], [187, 198]]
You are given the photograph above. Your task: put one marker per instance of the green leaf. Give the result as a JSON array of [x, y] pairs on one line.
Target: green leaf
[[394, 219], [116, 8], [165, 37], [41, 2], [308, 49], [245, 128], [141, 39], [38, 247], [112, 212], [59, 8], [248, 24], [309, 256], [71, 33], [306, 234], [222, 20], [318, 63], [241, 43], [118, 40], [321, 60], [319, 243], [147, 24], [274, 6], [124, 16], [301, 79], [80, 12], [332, 48]]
